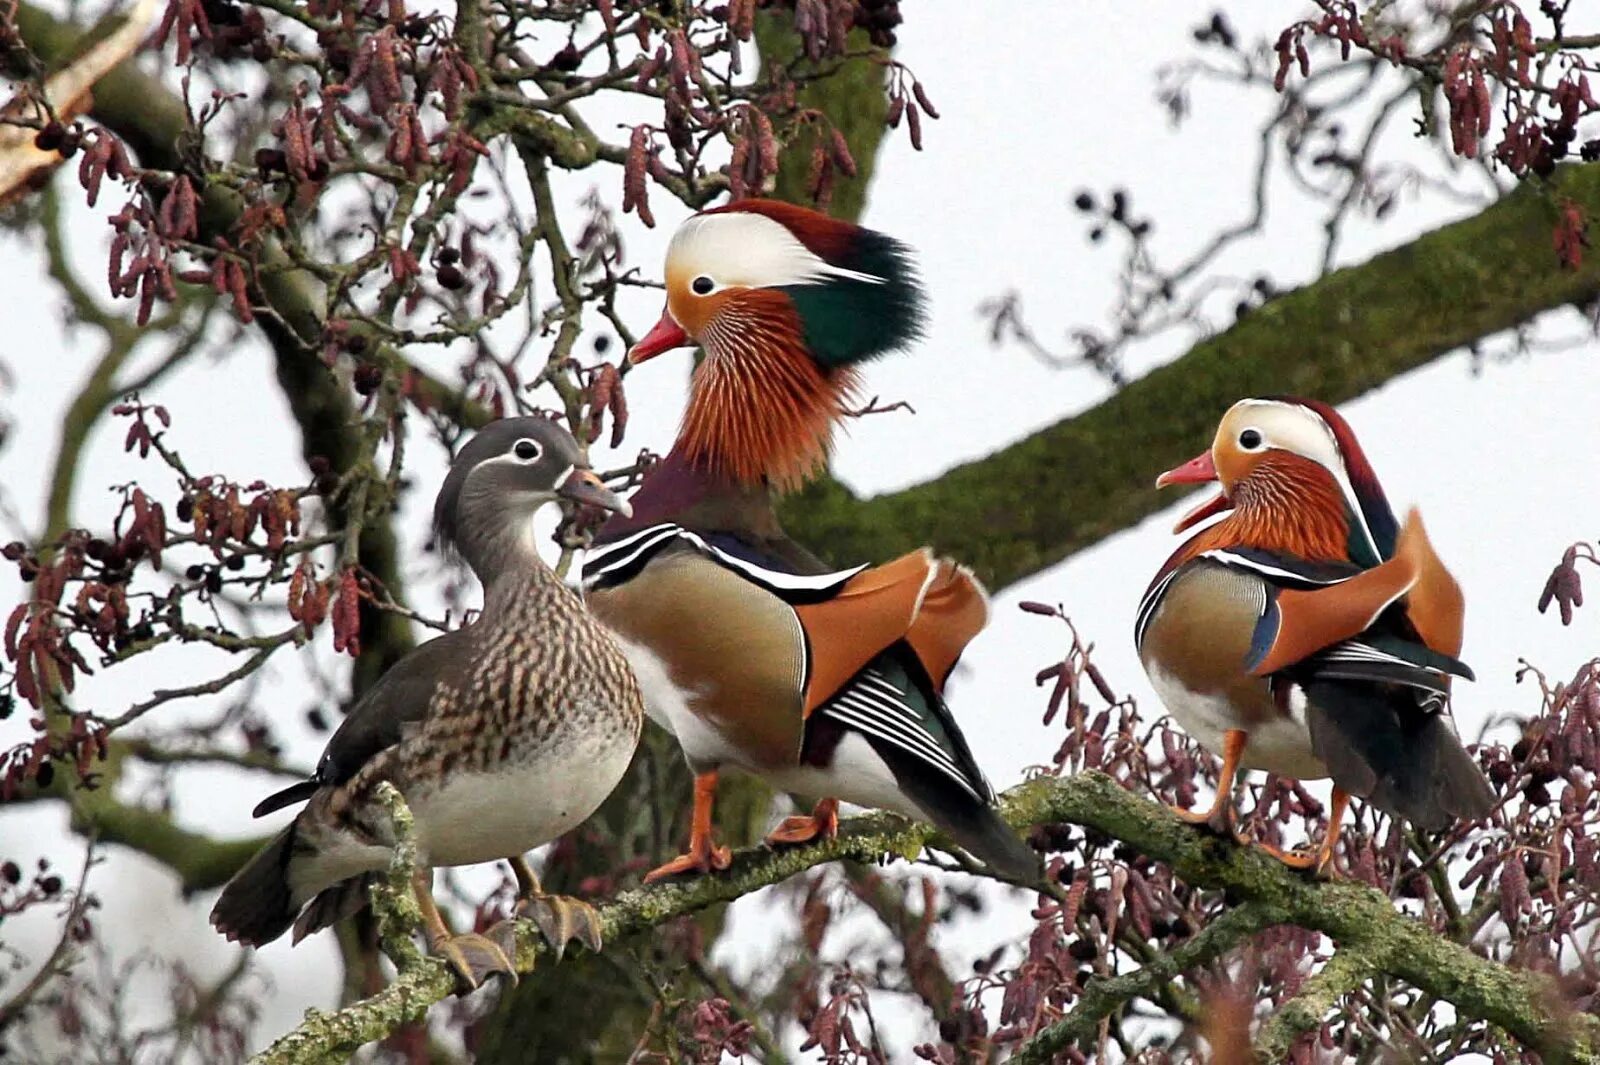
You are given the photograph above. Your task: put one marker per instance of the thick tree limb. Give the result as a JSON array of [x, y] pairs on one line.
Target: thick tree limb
[[1064, 488], [1526, 1005]]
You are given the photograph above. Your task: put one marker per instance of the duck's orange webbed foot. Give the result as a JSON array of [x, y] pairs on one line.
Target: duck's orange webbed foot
[[821, 823], [702, 857]]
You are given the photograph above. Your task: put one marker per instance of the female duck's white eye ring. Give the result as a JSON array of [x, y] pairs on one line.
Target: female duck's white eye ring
[[1250, 439], [526, 450], [702, 285]]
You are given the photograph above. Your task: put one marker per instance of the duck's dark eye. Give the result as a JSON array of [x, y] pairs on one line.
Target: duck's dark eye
[[1250, 439], [526, 450], [702, 285]]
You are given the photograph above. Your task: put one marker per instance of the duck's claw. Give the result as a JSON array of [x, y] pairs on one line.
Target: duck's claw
[[1319, 862], [561, 919], [476, 958], [1218, 819]]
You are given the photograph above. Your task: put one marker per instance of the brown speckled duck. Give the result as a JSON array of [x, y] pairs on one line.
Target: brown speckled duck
[[501, 735]]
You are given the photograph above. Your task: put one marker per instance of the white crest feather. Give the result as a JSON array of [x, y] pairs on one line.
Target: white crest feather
[[750, 250]]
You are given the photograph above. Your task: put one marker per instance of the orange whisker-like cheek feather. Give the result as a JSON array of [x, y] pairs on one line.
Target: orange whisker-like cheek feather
[[761, 408]]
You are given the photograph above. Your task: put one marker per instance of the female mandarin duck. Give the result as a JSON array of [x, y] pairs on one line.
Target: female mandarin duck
[[502, 735], [1305, 634], [750, 650]]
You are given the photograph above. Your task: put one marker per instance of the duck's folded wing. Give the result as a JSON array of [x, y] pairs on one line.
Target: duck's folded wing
[[1310, 608], [399, 699], [1389, 660], [893, 702], [934, 605]]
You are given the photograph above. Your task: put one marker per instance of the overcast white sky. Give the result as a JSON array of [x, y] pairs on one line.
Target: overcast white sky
[[1058, 98]]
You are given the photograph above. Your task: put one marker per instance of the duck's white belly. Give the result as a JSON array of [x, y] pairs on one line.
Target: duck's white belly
[[1281, 745], [671, 707], [481, 817], [858, 776]]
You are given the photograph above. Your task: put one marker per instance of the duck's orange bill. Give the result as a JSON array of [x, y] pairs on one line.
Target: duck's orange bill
[[663, 336], [1198, 470]]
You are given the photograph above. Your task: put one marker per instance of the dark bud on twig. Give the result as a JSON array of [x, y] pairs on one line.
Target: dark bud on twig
[[566, 59], [50, 138], [367, 378], [271, 161], [451, 277]]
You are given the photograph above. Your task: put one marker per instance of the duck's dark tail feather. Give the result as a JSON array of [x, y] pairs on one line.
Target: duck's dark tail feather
[[980, 830], [1379, 745], [256, 906], [976, 826], [344, 899]]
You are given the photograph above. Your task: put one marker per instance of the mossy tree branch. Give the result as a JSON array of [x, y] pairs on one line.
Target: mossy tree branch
[[1357, 918]]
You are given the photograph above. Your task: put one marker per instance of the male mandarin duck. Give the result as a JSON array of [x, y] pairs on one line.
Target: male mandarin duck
[[502, 735], [1306, 633], [750, 650]]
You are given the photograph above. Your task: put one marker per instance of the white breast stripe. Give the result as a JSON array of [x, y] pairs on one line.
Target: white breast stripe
[[1147, 608], [618, 557], [1228, 558], [616, 546], [622, 553], [794, 582]]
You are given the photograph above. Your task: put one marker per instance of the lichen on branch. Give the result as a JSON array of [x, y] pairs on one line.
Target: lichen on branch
[[1358, 919]]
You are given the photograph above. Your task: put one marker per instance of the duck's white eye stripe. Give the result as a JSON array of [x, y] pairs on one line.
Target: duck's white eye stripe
[[744, 248]]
